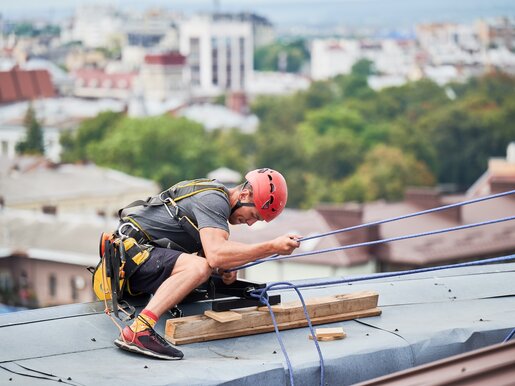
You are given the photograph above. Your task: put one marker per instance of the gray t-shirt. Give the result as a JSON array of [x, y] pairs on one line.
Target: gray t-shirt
[[208, 209]]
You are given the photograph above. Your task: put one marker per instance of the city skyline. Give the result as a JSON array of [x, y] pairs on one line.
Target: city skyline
[[351, 13]]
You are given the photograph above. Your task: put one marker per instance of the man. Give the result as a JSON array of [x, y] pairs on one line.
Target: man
[[170, 274]]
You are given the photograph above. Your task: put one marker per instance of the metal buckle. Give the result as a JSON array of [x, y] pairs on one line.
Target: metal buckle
[[123, 225]]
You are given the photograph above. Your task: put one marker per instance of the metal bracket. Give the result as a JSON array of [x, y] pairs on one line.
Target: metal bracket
[[226, 297]]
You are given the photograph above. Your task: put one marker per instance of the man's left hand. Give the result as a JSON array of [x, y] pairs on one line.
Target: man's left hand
[[229, 277]]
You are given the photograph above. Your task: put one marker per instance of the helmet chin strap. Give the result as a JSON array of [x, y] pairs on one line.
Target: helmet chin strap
[[239, 204]]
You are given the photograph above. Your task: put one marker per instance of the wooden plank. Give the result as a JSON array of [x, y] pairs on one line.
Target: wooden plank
[[332, 304], [327, 334], [224, 316], [192, 338], [200, 328]]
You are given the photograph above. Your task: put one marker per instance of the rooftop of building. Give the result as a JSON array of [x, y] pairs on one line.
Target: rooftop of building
[[425, 317]]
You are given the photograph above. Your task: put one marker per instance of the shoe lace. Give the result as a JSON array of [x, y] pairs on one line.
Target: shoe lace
[[154, 333]]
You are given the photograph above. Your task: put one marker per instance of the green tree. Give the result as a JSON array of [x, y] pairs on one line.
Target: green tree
[[292, 55], [75, 145], [386, 173], [33, 143], [163, 148], [466, 134]]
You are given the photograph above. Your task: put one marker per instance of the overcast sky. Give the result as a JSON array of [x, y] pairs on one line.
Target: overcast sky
[[356, 12]]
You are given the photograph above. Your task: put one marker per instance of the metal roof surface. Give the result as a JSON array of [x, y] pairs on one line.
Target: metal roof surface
[[425, 317]]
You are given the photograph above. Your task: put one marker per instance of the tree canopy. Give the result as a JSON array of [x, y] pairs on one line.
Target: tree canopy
[[337, 141]]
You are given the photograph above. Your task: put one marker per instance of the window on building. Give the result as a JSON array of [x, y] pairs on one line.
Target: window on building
[[5, 148], [241, 44], [194, 61], [77, 284], [6, 281], [228, 51], [214, 59], [52, 285], [75, 292]]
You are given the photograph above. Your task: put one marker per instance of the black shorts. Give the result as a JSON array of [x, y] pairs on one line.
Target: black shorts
[[154, 271]]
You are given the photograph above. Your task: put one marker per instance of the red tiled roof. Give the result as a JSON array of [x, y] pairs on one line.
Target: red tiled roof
[[94, 78], [172, 58], [19, 85], [8, 87], [46, 89], [26, 84]]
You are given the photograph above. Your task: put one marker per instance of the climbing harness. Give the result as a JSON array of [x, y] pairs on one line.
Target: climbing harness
[[122, 253], [169, 199]]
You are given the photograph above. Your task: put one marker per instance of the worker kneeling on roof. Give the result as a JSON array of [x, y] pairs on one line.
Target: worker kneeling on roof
[[184, 223]]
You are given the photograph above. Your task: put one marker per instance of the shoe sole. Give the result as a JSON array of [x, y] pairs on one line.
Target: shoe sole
[[136, 349]]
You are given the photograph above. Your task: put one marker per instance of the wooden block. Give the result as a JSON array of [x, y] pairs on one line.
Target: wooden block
[[199, 328], [326, 334], [223, 317]]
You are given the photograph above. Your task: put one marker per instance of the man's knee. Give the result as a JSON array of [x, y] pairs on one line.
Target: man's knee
[[202, 270]]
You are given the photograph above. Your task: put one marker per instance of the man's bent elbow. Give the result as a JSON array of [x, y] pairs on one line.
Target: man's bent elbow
[[214, 260]]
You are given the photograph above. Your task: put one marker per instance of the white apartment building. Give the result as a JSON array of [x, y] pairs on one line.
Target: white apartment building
[[219, 52], [330, 57], [164, 76], [144, 34], [96, 26]]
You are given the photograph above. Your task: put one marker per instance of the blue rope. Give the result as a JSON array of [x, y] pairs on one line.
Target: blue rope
[[427, 211], [510, 335], [432, 210], [501, 259], [263, 298], [262, 295], [375, 242]]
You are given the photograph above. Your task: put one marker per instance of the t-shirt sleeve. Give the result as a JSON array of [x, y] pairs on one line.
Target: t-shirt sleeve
[[212, 210]]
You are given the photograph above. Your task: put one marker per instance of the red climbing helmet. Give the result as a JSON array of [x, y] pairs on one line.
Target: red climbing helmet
[[270, 192]]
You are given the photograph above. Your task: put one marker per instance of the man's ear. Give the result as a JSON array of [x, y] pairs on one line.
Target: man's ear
[[245, 195]]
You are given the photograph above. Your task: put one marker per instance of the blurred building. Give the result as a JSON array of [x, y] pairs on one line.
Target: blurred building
[[96, 26], [51, 217], [44, 256], [331, 57], [39, 185], [55, 115], [164, 76], [97, 83], [153, 31], [219, 51]]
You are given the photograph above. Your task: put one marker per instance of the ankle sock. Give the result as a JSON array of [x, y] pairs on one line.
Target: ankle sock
[[145, 319]]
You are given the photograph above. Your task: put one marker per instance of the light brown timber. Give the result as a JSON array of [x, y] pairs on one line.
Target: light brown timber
[[199, 328], [224, 316]]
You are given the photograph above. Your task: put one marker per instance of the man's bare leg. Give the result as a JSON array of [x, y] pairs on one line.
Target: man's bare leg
[[189, 272]]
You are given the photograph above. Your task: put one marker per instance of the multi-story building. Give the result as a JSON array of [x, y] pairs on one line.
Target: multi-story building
[[164, 76], [219, 51], [96, 26], [150, 32], [330, 57]]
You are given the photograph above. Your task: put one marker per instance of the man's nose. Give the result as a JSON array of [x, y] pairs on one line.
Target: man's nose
[[251, 221]]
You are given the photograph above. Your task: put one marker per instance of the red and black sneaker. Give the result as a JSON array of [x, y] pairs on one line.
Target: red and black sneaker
[[147, 342]]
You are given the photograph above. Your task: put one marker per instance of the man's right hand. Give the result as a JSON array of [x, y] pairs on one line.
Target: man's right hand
[[286, 244]]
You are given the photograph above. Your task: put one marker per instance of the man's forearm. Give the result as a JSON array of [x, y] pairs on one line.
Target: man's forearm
[[233, 254]]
